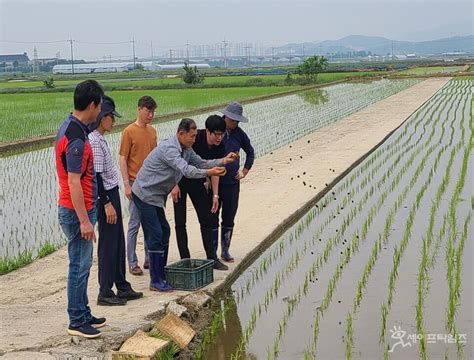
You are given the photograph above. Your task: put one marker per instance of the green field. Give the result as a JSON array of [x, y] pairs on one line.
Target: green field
[[432, 70], [31, 115], [257, 80]]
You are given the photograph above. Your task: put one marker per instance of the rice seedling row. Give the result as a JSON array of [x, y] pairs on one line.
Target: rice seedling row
[[318, 263], [346, 251]]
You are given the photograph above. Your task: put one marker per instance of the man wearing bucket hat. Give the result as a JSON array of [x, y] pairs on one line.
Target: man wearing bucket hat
[[229, 185], [111, 249]]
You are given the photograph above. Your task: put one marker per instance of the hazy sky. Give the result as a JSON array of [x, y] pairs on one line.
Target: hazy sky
[[169, 24]]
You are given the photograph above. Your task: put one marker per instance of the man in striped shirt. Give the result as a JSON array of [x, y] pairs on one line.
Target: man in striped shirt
[[111, 249]]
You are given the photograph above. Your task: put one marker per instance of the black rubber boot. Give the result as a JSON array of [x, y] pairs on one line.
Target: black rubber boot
[[157, 271], [226, 238]]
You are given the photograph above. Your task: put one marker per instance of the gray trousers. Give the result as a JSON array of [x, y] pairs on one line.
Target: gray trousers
[[133, 227]]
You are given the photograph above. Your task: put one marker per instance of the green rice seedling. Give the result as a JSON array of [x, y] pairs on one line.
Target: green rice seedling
[[383, 316], [7, 264], [349, 337], [46, 249]]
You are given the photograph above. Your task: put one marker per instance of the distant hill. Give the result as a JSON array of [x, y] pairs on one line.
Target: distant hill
[[381, 46]]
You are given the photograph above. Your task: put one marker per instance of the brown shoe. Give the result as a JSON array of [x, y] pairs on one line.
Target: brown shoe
[[135, 270], [146, 265]]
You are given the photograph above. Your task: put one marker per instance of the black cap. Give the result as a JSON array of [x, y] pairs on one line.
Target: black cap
[[107, 107]]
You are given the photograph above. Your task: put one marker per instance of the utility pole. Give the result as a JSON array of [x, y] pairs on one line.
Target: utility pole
[[133, 47], [303, 52], [225, 53], [248, 54], [290, 57], [273, 56], [187, 52], [171, 56], [72, 56], [35, 60]]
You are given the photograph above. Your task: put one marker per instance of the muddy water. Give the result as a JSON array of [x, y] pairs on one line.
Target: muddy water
[[280, 315]]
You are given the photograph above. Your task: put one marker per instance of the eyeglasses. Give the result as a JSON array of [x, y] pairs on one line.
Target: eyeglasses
[[112, 117], [149, 112], [218, 134]]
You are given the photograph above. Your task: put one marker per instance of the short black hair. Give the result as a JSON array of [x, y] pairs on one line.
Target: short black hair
[[147, 102], [86, 92], [187, 125], [215, 123]]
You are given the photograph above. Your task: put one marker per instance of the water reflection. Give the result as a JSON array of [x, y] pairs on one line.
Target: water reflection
[[228, 335], [315, 96]]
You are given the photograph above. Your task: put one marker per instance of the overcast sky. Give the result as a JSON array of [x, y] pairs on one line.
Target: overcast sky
[[170, 24]]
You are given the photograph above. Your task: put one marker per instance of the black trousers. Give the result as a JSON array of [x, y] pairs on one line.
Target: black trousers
[[202, 202], [111, 249], [229, 202]]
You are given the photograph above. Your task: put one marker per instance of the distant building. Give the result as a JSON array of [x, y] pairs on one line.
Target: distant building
[[44, 61], [14, 61], [117, 67], [91, 68], [180, 66]]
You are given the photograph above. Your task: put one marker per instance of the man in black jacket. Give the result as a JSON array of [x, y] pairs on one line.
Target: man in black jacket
[[204, 193], [234, 140]]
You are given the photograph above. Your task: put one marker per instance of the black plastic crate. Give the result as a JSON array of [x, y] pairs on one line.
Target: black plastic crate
[[190, 274]]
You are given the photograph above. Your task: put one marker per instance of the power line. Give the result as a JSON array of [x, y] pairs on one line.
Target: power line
[[103, 43], [33, 42]]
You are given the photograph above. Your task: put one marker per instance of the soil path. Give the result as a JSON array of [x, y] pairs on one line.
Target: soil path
[[33, 299]]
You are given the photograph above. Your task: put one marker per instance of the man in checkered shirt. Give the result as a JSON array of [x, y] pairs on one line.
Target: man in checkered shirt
[[111, 249]]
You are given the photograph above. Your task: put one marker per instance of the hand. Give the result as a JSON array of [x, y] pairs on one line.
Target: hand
[[241, 174], [176, 193], [216, 171], [231, 157], [110, 213], [87, 231], [128, 191], [215, 204], [207, 184]]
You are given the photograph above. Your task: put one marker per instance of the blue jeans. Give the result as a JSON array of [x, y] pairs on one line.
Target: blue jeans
[[132, 233], [80, 262], [155, 226]]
